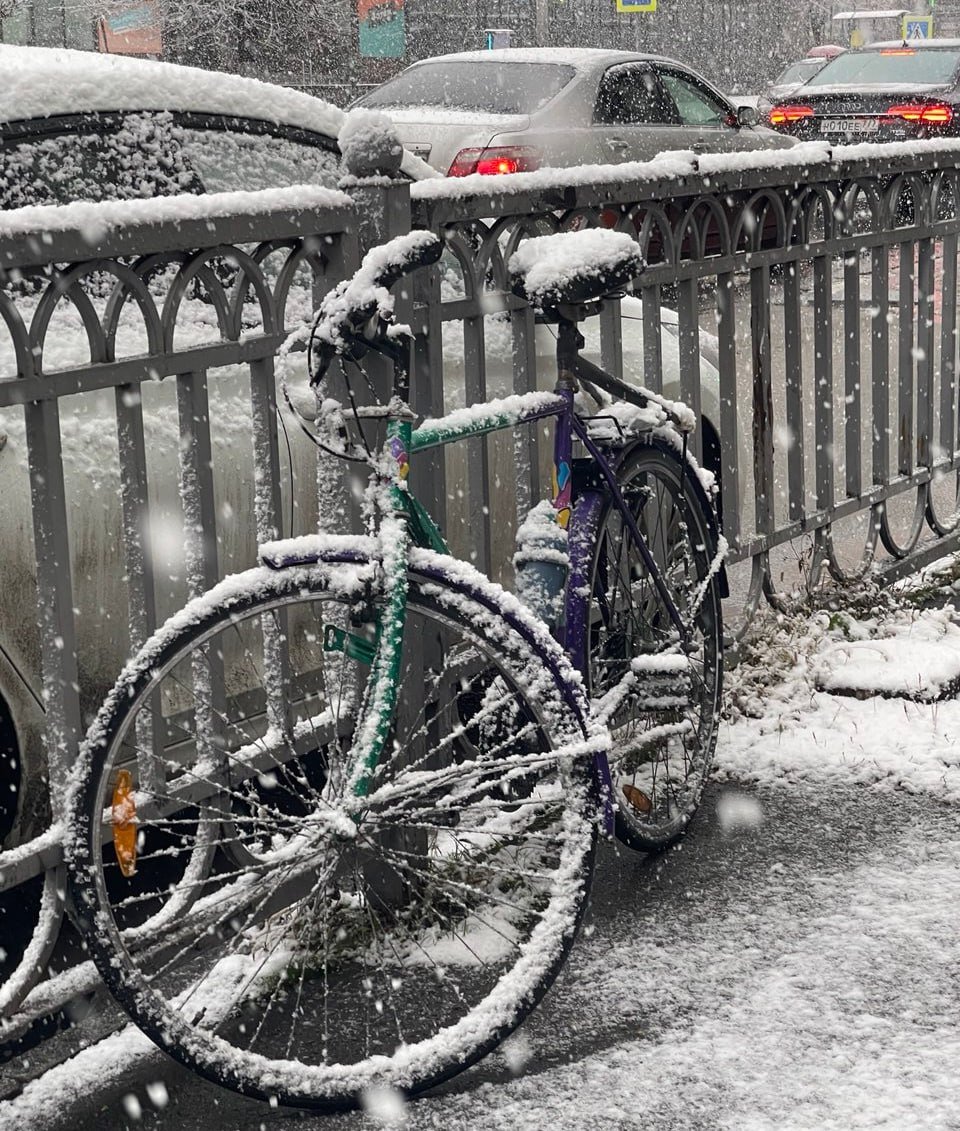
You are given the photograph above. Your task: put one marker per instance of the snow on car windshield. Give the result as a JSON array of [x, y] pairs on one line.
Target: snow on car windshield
[[501, 88], [889, 65]]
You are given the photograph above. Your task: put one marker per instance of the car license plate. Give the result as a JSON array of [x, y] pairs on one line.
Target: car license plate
[[849, 126]]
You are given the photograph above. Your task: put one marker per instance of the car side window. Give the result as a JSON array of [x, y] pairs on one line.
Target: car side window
[[110, 158], [695, 104], [227, 160], [633, 96], [148, 154]]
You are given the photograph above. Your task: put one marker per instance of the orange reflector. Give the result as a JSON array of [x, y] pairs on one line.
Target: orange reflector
[[123, 817], [898, 51], [637, 798]]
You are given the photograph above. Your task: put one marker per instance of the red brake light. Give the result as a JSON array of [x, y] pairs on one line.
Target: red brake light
[[464, 163], [491, 166], [495, 161], [924, 113], [780, 115]]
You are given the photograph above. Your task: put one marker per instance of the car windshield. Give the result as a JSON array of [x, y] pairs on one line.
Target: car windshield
[[889, 65], [499, 88], [799, 72]]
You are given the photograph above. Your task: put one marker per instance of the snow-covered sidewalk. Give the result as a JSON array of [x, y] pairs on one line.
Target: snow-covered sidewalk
[[794, 964], [836, 699]]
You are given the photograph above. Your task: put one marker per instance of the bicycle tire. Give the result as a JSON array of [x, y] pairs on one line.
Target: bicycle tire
[[371, 971], [657, 781]]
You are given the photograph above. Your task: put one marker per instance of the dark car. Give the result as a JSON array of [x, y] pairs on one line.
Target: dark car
[[893, 91], [792, 77]]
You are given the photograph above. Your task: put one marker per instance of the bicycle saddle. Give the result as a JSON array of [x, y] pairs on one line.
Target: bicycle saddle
[[573, 267]]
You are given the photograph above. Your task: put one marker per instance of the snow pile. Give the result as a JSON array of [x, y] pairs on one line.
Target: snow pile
[[94, 220], [369, 144], [794, 163], [788, 724], [574, 266], [920, 660]]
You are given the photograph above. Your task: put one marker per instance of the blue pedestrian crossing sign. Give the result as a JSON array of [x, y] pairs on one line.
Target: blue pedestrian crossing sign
[[917, 27], [636, 5]]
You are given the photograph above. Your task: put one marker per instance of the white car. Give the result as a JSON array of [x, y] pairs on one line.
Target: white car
[[518, 109], [78, 125]]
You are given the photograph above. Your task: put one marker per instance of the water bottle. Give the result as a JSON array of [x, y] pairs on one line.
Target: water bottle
[[541, 563]]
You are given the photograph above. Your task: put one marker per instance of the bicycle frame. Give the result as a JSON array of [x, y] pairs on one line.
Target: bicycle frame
[[412, 526]]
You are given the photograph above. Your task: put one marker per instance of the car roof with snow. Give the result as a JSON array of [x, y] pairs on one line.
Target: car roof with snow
[[911, 44], [581, 58], [44, 82]]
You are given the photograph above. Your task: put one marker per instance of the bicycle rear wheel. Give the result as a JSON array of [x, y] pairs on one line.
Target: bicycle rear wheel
[[327, 950], [662, 698]]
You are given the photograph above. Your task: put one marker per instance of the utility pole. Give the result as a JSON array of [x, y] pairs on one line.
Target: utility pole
[[540, 22]]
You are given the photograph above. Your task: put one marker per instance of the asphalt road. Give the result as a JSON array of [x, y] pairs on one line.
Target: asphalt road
[[702, 949]]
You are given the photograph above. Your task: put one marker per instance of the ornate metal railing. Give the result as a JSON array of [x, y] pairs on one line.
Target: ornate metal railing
[[829, 288], [814, 328], [142, 452]]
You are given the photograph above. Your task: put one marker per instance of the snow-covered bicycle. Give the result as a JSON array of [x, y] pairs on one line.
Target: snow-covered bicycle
[[334, 827]]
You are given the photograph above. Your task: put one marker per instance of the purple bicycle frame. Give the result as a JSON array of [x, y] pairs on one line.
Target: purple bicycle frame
[[583, 523]]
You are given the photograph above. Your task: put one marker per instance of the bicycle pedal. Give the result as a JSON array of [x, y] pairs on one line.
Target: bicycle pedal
[[650, 703], [637, 799], [664, 685]]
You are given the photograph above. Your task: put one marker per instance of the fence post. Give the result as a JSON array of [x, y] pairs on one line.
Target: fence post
[[382, 199]]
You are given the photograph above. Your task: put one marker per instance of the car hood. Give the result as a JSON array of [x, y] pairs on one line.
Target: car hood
[[781, 89], [437, 135]]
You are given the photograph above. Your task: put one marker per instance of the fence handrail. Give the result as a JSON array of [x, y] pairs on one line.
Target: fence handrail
[[435, 202], [40, 235]]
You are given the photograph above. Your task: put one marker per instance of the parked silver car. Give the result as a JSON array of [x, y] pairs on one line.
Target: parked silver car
[[795, 75], [518, 109], [77, 126]]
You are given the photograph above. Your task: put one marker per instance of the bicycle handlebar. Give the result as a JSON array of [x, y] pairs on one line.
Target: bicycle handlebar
[[343, 323]]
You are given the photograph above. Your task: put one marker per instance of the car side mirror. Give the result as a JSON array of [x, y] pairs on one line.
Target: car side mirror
[[747, 116]]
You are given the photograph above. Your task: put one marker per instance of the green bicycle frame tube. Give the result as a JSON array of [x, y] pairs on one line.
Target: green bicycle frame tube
[[385, 667], [418, 529]]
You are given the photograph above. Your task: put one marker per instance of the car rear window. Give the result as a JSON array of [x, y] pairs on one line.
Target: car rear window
[[498, 88], [889, 65]]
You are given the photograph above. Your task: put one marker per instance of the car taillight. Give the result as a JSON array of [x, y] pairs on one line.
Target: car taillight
[[495, 161], [780, 115], [927, 114]]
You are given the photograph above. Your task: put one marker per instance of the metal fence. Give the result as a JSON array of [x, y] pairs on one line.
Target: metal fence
[[806, 307]]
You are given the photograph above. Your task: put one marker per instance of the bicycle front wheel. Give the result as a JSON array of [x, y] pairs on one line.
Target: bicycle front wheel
[[661, 692], [327, 947]]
